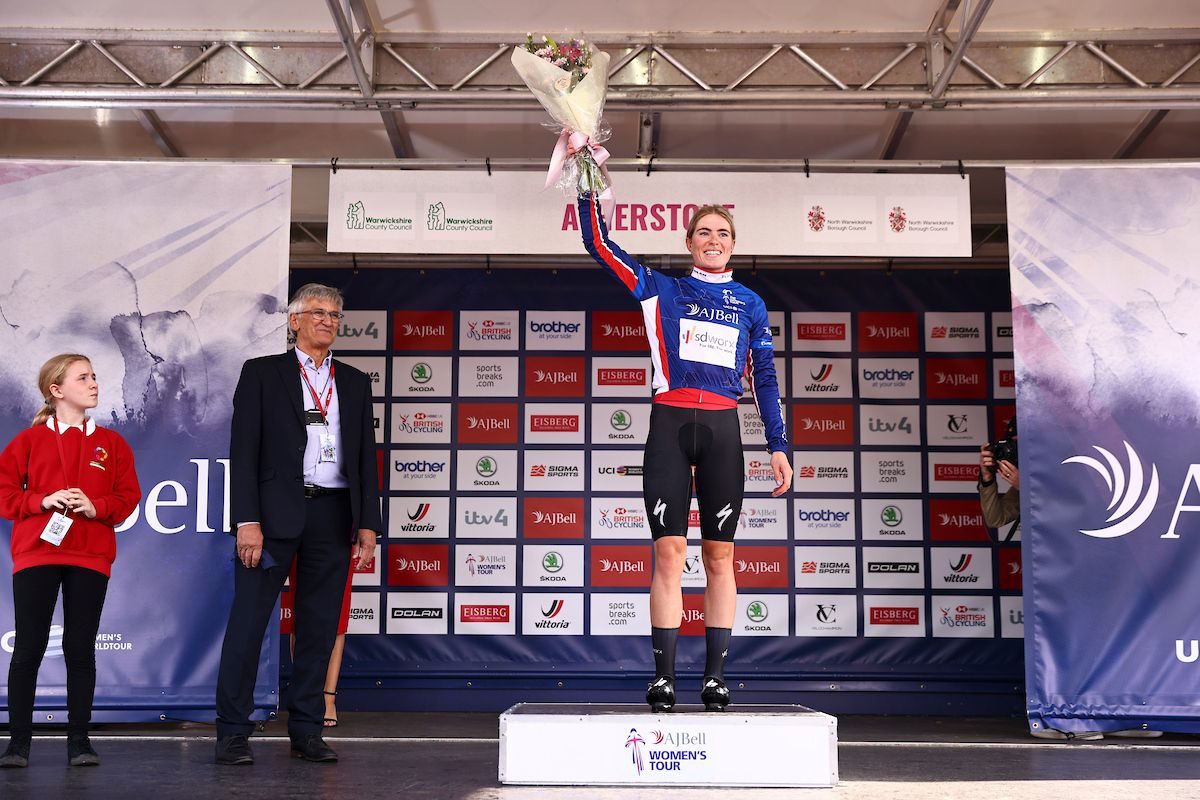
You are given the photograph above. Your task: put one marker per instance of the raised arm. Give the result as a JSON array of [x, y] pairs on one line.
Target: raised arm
[[764, 384], [624, 267]]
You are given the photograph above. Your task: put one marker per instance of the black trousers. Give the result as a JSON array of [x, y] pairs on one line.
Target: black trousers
[[322, 561], [35, 593]]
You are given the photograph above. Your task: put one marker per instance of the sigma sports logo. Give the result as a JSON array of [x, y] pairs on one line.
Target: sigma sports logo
[[955, 332], [712, 314], [553, 471], [626, 376], [1133, 500], [821, 331], [825, 568]]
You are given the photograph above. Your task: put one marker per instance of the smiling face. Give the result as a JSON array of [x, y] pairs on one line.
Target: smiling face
[[78, 389], [315, 332], [711, 243]]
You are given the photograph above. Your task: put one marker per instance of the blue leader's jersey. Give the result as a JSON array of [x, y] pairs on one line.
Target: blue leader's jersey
[[705, 331]]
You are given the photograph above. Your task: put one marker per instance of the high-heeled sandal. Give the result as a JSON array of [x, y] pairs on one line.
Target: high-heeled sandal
[[330, 722]]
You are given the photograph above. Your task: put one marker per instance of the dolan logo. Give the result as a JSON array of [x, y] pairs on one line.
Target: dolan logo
[[1132, 500]]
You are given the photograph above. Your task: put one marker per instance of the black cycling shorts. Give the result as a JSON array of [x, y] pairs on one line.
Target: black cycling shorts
[[710, 441]]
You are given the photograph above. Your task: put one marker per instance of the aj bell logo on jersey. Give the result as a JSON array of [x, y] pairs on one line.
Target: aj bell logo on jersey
[[712, 314]]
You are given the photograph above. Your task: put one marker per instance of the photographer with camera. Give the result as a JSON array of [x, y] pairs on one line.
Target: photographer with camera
[[1000, 456]]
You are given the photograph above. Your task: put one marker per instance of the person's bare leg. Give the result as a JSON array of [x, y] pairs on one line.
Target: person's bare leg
[[331, 678]]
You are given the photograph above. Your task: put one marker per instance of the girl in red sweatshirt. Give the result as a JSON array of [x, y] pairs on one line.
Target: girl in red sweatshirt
[[65, 482]]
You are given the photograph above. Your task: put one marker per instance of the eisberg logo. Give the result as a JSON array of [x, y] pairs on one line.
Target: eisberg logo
[[1125, 494]]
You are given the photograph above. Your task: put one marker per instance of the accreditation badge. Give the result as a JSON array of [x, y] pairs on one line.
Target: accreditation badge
[[328, 448], [56, 529]]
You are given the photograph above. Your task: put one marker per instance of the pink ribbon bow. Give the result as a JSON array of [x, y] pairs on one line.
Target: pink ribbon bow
[[569, 143]]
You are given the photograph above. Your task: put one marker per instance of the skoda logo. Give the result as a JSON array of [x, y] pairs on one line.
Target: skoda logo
[[620, 419], [891, 516], [756, 611], [421, 372], [552, 562], [485, 467]]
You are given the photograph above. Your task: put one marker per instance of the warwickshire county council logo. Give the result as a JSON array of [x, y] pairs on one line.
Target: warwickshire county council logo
[[1125, 493], [356, 216]]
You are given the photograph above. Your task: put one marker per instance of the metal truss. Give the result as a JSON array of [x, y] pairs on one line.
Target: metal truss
[[384, 73]]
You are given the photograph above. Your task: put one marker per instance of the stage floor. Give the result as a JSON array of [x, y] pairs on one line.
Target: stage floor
[[435, 756]]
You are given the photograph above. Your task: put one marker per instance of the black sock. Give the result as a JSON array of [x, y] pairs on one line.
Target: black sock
[[662, 641], [716, 642]]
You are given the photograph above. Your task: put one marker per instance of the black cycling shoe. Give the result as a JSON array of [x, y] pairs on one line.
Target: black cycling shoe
[[714, 694], [17, 753], [661, 694], [80, 752]]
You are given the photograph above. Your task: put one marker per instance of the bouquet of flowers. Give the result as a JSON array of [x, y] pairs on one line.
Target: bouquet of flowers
[[570, 80]]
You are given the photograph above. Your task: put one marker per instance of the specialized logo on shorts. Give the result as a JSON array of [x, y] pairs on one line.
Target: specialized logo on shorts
[[660, 509]]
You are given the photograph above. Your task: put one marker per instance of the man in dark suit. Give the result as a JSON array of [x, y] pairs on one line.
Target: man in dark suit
[[303, 484]]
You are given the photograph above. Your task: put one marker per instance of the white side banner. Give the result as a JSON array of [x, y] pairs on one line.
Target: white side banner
[[416, 211]]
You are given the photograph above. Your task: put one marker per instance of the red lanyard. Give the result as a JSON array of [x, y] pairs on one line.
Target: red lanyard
[[62, 456], [323, 408]]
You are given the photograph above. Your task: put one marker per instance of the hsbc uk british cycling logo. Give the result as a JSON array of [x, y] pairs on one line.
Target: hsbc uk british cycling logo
[[1133, 498]]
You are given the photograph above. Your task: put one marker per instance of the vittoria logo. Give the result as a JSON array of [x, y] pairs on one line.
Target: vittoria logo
[[423, 330], [621, 377], [1134, 500], [484, 613], [821, 373], [821, 331], [550, 616], [895, 615], [816, 219], [955, 472], [897, 219], [416, 514]]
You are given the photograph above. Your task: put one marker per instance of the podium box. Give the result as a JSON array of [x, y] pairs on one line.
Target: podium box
[[618, 745]]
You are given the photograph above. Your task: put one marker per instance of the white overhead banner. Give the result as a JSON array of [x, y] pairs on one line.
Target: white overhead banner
[[426, 211]]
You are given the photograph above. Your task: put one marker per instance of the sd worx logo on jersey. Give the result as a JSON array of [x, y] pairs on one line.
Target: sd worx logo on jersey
[[1133, 499]]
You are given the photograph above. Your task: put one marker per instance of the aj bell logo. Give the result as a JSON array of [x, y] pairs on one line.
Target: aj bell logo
[[1132, 500]]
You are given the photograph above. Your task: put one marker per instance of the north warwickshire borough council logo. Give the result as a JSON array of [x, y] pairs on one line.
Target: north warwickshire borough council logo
[[897, 219], [816, 219], [634, 743], [1126, 491], [356, 216]]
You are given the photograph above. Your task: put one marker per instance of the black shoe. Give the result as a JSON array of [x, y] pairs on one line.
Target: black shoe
[[661, 694], [17, 754], [313, 748], [234, 750], [714, 694], [80, 752]]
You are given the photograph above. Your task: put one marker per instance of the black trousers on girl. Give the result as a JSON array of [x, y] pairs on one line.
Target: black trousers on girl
[[35, 593]]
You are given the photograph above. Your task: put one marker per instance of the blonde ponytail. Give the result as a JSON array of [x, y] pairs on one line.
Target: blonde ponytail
[[52, 373]]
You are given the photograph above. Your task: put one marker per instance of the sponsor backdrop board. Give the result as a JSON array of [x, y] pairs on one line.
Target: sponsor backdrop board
[[168, 277], [456, 211], [520, 545], [1104, 280]]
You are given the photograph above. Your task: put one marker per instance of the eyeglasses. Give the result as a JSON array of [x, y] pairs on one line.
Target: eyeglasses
[[320, 315]]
